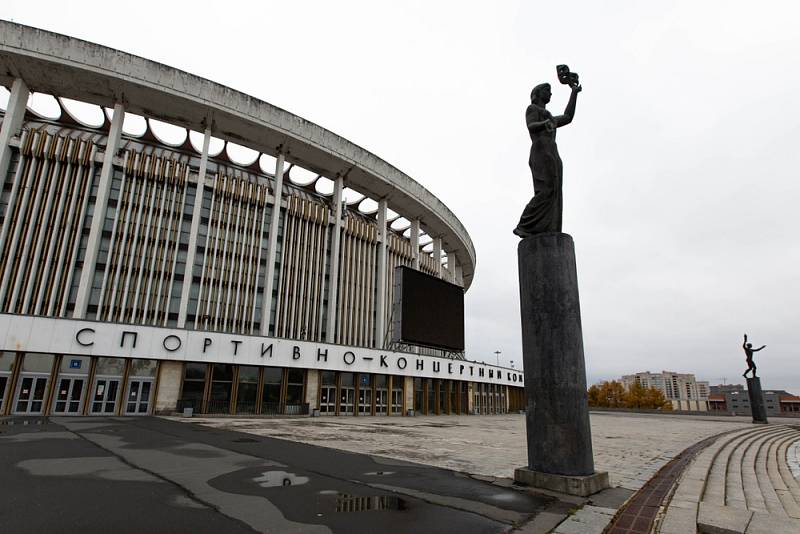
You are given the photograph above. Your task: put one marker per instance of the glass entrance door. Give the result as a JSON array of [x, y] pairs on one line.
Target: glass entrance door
[[7, 361], [381, 401], [69, 395], [347, 401], [327, 399], [137, 401], [397, 401], [3, 387], [365, 401], [104, 396], [30, 394]]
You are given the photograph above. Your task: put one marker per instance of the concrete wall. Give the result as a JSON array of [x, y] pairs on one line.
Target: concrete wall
[[408, 392], [312, 389], [170, 376]]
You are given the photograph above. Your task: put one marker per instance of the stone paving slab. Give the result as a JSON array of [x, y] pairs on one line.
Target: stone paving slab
[[587, 520], [713, 519]]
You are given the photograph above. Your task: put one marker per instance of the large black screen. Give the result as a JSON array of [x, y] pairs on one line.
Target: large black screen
[[427, 311]]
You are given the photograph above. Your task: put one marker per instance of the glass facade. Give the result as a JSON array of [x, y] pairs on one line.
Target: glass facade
[[45, 384], [273, 385]]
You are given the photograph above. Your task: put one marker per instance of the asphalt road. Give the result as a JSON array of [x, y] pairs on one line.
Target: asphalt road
[[153, 475]]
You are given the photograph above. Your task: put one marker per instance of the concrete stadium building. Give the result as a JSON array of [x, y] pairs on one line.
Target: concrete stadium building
[[242, 266]]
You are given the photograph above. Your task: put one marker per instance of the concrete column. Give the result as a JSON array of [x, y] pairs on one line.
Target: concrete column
[[170, 376], [266, 305], [12, 122], [557, 415], [312, 389], [415, 244], [380, 298], [196, 211], [333, 279], [99, 216], [408, 392], [757, 406], [458, 276], [437, 254]]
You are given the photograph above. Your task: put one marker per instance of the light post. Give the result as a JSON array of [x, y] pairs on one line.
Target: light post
[[498, 353]]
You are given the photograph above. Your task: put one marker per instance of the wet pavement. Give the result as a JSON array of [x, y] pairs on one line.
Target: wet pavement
[[155, 475]]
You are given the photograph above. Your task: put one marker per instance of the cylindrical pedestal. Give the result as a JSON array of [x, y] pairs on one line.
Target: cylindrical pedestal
[[757, 406], [557, 414]]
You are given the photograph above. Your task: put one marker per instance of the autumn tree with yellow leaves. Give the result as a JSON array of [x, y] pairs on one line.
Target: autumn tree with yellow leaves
[[614, 395]]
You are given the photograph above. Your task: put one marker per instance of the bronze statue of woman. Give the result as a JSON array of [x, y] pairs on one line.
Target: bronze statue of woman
[[543, 212]]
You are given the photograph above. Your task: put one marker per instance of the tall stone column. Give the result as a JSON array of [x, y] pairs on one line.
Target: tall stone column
[[557, 412], [408, 393], [312, 390], [12, 122], [272, 244]]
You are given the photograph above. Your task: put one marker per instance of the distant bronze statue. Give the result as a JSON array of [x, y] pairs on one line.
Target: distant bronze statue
[[543, 212], [749, 350]]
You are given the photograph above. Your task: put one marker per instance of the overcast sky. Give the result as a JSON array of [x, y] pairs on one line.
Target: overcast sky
[[680, 170]]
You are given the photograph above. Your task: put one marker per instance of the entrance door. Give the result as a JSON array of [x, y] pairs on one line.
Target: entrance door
[[30, 394], [397, 401], [347, 401], [3, 387], [365, 401], [69, 395], [327, 399], [137, 401], [381, 401], [104, 396]]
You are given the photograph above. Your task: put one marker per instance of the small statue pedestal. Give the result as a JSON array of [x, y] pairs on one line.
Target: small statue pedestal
[[757, 405], [557, 414]]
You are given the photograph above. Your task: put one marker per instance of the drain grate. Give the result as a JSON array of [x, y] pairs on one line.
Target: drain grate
[[352, 503]]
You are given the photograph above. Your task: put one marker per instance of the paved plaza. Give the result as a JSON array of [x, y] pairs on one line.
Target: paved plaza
[[400, 474], [125, 474], [631, 447]]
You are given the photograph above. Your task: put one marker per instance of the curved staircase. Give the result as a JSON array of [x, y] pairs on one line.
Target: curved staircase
[[741, 483]]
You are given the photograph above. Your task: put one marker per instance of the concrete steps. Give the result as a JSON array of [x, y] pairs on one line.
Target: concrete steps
[[741, 483]]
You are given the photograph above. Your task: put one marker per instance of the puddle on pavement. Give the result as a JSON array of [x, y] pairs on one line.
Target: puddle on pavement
[[352, 503], [504, 497], [274, 479]]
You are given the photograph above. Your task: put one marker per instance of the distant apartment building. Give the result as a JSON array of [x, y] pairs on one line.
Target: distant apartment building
[[732, 399], [681, 389]]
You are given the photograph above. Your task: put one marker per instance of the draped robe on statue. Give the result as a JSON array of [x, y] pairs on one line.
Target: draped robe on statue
[[543, 212]]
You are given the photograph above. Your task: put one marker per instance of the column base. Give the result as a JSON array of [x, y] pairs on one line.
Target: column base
[[582, 486]]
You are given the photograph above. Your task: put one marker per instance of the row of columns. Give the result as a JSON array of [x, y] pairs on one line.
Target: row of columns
[[12, 123]]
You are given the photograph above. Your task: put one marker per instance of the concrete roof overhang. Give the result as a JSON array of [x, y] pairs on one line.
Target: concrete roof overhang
[[64, 66]]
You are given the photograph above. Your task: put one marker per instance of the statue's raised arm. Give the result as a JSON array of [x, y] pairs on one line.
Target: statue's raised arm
[[568, 78]]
